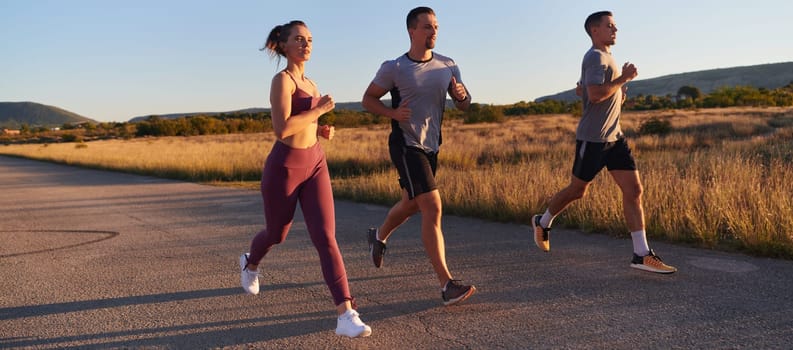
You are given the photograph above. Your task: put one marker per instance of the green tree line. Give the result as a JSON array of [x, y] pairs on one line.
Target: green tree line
[[738, 96], [225, 123]]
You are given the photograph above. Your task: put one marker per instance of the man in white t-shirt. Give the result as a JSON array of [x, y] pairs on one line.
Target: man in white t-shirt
[[419, 82]]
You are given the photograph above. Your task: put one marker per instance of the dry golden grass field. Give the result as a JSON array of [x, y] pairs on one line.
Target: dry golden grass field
[[719, 179]]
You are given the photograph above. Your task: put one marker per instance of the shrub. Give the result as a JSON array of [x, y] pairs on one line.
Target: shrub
[[71, 138], [479, 113], [655, 126]]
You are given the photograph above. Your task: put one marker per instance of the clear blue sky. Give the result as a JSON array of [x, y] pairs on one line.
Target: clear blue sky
[[114, 60]]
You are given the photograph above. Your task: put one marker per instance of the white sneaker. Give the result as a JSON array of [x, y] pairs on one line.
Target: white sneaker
[[249, 279], [350, 325]]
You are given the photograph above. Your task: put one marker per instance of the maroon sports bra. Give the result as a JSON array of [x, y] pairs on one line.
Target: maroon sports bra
[[301, 100]]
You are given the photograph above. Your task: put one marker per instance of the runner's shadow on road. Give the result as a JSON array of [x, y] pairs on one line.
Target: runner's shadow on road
[[16, 312], [85, 305], [197, 335], [208, 334], [379, 312]]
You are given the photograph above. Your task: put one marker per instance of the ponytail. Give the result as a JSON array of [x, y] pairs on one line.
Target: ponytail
[[279, 34]]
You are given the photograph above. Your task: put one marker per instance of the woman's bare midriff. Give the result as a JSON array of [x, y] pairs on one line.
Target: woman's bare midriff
[[304, 139]]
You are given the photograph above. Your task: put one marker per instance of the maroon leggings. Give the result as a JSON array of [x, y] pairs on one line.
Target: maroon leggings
[[291, 175]]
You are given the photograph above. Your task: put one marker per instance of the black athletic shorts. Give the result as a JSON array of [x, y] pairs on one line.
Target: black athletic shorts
[[591, 157], [416, 168]]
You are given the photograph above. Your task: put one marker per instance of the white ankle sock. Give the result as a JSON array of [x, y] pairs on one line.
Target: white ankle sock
[[547, 219], [640, 246], [377, 236]]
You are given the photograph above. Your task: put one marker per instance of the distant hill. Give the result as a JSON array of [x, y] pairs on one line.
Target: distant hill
[[14, 114], [769, 76]]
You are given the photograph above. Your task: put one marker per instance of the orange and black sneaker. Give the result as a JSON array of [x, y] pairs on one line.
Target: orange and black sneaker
[[541, 234], [651, 263]]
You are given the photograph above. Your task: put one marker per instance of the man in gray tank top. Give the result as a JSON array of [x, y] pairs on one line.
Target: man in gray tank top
[[419, 82], [600, 143]]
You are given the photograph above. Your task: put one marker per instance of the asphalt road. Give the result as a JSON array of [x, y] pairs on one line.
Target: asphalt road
[[96, 259]]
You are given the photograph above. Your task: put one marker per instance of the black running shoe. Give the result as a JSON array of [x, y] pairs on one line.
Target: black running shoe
[[456, 292], [376, 247]]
